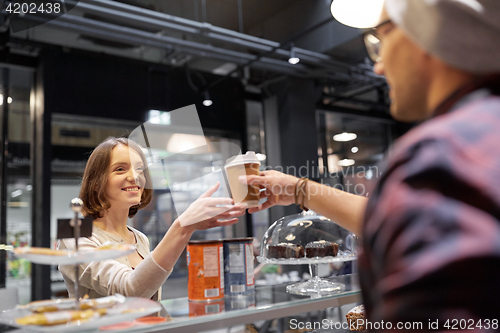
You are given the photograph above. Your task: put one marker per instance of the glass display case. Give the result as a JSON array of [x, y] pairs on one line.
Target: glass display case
[[308, 238], [267, 304]]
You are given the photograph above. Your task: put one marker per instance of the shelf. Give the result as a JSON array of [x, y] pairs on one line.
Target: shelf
[[270, 302]]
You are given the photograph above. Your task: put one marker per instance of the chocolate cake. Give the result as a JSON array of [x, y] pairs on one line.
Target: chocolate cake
[[321, 248], [357, 313], [285, 250]]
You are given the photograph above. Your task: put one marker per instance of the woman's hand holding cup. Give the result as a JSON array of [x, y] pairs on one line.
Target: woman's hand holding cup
[[207, 212]]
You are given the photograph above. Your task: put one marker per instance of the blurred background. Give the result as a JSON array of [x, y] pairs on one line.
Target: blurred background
[[282, 78]]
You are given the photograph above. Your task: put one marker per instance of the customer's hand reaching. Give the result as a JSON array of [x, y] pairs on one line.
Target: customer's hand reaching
[[207, 212], [279, 188]]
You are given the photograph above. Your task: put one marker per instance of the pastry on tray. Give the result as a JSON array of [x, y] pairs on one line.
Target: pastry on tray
[[286, 250], [69, 304], [40, 250], [59, 317], [321, 248], [62, 311], [356, 318]]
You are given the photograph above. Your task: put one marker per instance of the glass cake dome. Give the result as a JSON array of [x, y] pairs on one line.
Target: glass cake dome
[[308, 238]]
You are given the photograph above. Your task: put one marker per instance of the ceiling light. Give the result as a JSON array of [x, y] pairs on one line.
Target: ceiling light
[[159, 117], [293, 58], [9, 99], [344, 137], [357, 13], [16, 193], [207, 101], [354, 150], [346, 162]]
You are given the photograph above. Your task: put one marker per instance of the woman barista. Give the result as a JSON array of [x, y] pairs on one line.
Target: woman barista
[[115, 186]]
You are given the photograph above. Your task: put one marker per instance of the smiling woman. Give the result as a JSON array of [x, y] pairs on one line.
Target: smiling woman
[[110, 162], [115, 185]]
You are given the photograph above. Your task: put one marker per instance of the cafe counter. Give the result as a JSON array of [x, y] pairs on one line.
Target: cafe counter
[[268, 302]]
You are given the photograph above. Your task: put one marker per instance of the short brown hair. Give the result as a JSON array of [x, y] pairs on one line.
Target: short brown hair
[[95, 176]]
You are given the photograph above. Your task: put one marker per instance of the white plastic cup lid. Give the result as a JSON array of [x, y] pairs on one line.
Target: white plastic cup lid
[[249, 157]]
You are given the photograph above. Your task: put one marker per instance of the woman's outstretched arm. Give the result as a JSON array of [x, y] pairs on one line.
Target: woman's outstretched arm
[[206, 212]]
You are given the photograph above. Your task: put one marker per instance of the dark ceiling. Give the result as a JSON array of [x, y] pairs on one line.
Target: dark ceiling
[[307, 23], [276, 20], [221, 13], [248, 38]]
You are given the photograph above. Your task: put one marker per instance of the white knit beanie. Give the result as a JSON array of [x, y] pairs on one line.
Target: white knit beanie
[[465, 34]]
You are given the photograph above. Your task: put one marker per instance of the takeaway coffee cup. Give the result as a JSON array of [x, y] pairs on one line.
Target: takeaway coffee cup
[[241, 165]]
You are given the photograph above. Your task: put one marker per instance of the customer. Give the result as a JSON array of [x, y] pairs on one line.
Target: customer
[[431, 228], [115, 185]]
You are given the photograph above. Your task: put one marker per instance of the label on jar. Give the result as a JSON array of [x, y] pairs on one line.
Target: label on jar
[[221, 265], [210, 257], [238, 288], [236, 259], [249, 259], [212, 292], [205, 281], [238, 267]]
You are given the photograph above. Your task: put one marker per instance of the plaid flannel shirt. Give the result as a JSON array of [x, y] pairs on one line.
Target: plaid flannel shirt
[[431, 237]]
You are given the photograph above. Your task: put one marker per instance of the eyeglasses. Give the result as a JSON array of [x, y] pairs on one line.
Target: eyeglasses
[[372, 41]]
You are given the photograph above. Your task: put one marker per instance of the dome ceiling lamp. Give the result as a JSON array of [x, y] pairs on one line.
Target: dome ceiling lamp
[[357, 13], [344, 137], [293, 57], [207, 100]]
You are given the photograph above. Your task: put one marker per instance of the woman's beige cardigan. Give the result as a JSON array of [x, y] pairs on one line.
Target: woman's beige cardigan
[[104, 278]]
